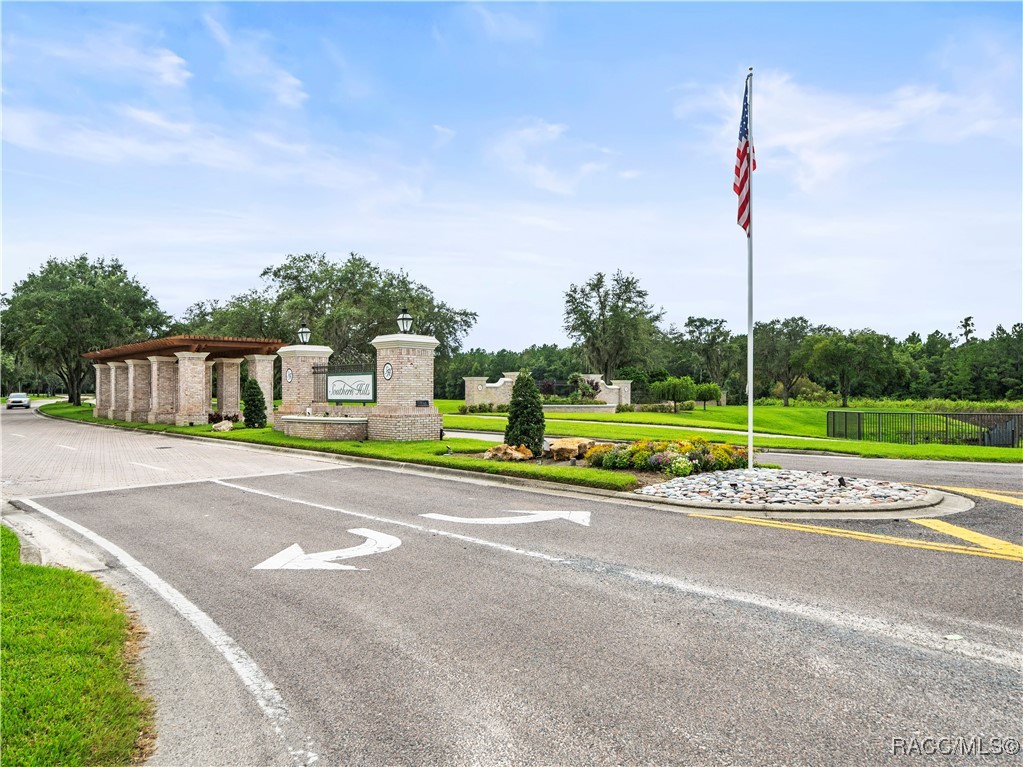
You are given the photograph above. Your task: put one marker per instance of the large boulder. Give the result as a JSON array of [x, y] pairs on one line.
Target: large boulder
[[569, 448], [223, 426], [508, 453]]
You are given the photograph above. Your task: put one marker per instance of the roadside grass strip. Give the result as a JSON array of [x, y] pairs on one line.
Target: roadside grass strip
[[266, 695], [991, 548], [69, 693]]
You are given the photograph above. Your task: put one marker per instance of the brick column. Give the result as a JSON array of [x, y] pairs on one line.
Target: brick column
[[102, 390], [229, 388], [163, 392], [261, 367], [118, 391], [208, 382], [297, 394], [139, 375], [405, 409], [191, 388]]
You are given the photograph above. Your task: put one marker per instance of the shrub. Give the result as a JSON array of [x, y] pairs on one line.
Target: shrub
[[216, 417], [680, 467], [625, 409], [548, 387], [662, 461], [254, 405], [595, 455], [463, 409], [617, 457], [502, 408], [526, 424], [687, 405], [657, 407], [639, 459]]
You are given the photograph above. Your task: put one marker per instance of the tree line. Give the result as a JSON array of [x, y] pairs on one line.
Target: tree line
[[69, 307]]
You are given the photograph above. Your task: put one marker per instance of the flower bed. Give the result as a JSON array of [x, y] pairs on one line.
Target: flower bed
[[674, 459]]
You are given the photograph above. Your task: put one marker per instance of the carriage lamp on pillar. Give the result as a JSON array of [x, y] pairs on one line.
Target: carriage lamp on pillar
[[404, 321]]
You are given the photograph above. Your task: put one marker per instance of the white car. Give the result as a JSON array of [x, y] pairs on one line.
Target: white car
[[18, 399]]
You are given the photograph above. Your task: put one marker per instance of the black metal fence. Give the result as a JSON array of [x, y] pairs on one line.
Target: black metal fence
[[990, 429]]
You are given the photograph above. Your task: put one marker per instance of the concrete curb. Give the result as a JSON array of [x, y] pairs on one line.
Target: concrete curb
[[936, 503]]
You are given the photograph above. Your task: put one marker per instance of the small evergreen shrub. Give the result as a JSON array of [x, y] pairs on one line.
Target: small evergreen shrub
[[625, 409], [254, 405], [687, 405], [526, 423]]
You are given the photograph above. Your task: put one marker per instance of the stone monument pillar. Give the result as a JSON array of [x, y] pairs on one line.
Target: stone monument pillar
[[405, 410], [229, 386], [139, 372], [191, 409], [297, 363], [163, 382], [102, 390], [118, 391]]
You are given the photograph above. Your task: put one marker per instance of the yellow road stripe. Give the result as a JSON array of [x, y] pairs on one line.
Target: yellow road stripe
[[948, 548], [981, 494], [984, 541]]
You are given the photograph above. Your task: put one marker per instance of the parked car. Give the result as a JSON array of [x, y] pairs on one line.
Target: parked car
[[18, 399]]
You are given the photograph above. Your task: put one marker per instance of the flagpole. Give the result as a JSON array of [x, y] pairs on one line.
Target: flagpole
[[749, 282]]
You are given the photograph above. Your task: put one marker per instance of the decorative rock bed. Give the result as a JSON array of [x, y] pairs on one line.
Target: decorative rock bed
[[779, 489]]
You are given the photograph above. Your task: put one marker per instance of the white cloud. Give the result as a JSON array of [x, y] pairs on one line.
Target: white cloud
[[814, 135], [529, 152], [506, 27], [247, 60], [117, 52], [443, 136]]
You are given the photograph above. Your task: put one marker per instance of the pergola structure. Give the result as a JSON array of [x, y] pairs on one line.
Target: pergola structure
[[170, 380]]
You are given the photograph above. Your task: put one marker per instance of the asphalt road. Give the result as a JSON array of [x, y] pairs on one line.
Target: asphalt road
[[648, 636]]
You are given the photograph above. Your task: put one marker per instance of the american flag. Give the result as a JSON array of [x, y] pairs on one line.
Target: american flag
[[744, 156]]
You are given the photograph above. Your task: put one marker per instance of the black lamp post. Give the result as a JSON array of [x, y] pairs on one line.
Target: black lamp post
[[404, 321], [303, 334]]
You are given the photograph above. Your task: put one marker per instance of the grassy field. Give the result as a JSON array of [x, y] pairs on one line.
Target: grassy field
[[628, 432], [68, 694]]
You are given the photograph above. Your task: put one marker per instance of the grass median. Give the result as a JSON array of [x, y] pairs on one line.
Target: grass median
[[69, 693]]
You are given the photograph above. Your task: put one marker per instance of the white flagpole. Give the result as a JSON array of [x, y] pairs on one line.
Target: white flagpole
[[749, 300]]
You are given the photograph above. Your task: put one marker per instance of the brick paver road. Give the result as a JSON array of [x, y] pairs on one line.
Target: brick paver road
[[43, 456]]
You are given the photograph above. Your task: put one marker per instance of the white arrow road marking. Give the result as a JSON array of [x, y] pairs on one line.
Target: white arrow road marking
[[293, 558], [579, 517]]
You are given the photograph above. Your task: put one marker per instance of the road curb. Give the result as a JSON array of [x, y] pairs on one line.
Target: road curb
[[932, 502]]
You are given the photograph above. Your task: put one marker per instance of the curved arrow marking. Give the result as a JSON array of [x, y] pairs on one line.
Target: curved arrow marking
[[579, 517], [293, 558]]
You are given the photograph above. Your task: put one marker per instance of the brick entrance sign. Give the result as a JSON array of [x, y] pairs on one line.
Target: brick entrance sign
[[404, 409]]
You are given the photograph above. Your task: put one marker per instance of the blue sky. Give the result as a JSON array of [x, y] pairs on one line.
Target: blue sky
[[499, 152]]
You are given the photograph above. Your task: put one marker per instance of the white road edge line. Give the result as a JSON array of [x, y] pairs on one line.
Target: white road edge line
[[902, 632], [262, 689], [409, 525], [147, 466]]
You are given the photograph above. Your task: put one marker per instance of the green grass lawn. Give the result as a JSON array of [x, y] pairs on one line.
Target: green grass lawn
[[628, 432], [68, 694]]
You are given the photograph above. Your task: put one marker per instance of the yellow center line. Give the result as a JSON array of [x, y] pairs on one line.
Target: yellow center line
[[984, 541], [948, 548], [991, 496]]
